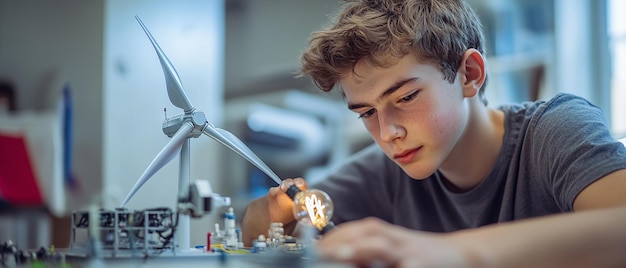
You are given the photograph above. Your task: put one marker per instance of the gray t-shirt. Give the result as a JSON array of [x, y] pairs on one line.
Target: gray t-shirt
[[551, 151]]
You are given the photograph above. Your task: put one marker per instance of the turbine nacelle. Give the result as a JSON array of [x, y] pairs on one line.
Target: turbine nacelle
[[197, 119]]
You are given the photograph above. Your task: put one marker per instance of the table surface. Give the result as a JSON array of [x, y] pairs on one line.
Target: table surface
[[223, 260]]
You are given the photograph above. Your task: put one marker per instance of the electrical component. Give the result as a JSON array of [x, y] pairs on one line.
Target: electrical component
[[259, 244], [12, 256], [275, 235], [230, 237], [148, 231], [312, 207]]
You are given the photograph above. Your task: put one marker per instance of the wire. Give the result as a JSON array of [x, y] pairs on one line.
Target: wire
[[229, 251], [166, 239]]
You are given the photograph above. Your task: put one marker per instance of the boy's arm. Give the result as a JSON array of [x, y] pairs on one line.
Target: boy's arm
[[256, 221], [593, 236], [608, 191]]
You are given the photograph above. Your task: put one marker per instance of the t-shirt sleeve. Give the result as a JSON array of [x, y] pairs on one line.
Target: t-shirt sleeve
[[360, 187], [573, 147]]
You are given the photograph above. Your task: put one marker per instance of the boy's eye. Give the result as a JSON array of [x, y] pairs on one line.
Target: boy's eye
[[409, 97], [367, 114]]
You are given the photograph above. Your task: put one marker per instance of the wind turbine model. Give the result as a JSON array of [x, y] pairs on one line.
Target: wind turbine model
[[180, 129]]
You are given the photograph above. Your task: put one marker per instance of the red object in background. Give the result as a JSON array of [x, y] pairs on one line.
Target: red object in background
[[208, 241], [18, 185]]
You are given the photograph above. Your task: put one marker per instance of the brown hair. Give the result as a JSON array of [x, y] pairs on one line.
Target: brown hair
[[382, 31]]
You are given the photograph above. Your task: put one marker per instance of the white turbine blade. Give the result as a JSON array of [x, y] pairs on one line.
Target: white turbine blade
[[249, 155], [172, 80], [165, 156], [232, 142]]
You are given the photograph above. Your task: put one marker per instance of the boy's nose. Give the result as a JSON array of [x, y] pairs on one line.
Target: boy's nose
[[389, 130]]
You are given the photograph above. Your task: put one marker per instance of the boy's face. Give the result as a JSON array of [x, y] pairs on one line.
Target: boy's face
[[411, 111]]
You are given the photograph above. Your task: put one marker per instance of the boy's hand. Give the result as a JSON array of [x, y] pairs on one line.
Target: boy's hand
[[374, 243], [276, 206], [279, 204]]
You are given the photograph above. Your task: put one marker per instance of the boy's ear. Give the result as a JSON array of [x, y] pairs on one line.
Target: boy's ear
[[473, 72]]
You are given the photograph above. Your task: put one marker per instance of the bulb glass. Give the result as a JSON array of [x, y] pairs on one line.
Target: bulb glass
[[313, 207]]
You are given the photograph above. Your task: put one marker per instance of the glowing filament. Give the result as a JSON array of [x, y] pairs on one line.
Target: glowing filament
[[315, 208]]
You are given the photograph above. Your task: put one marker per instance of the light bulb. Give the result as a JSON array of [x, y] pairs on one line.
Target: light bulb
[[314, 208]]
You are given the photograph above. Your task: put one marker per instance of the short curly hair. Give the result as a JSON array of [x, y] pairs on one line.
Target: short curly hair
[[383, 31]]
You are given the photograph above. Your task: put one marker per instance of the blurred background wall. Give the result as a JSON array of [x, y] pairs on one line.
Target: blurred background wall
[[237, 59]]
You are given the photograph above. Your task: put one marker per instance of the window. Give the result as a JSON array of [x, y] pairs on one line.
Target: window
[[617, 42]]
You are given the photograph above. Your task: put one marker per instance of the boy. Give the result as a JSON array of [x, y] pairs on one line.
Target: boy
[[450, 181]]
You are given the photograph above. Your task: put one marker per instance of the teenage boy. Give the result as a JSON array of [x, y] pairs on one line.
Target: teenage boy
[[451, 181]]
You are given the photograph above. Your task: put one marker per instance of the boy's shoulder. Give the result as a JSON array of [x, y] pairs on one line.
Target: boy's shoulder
[[567, 100], [557, 99], [563, 113], [565, 106], [561, 104]]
